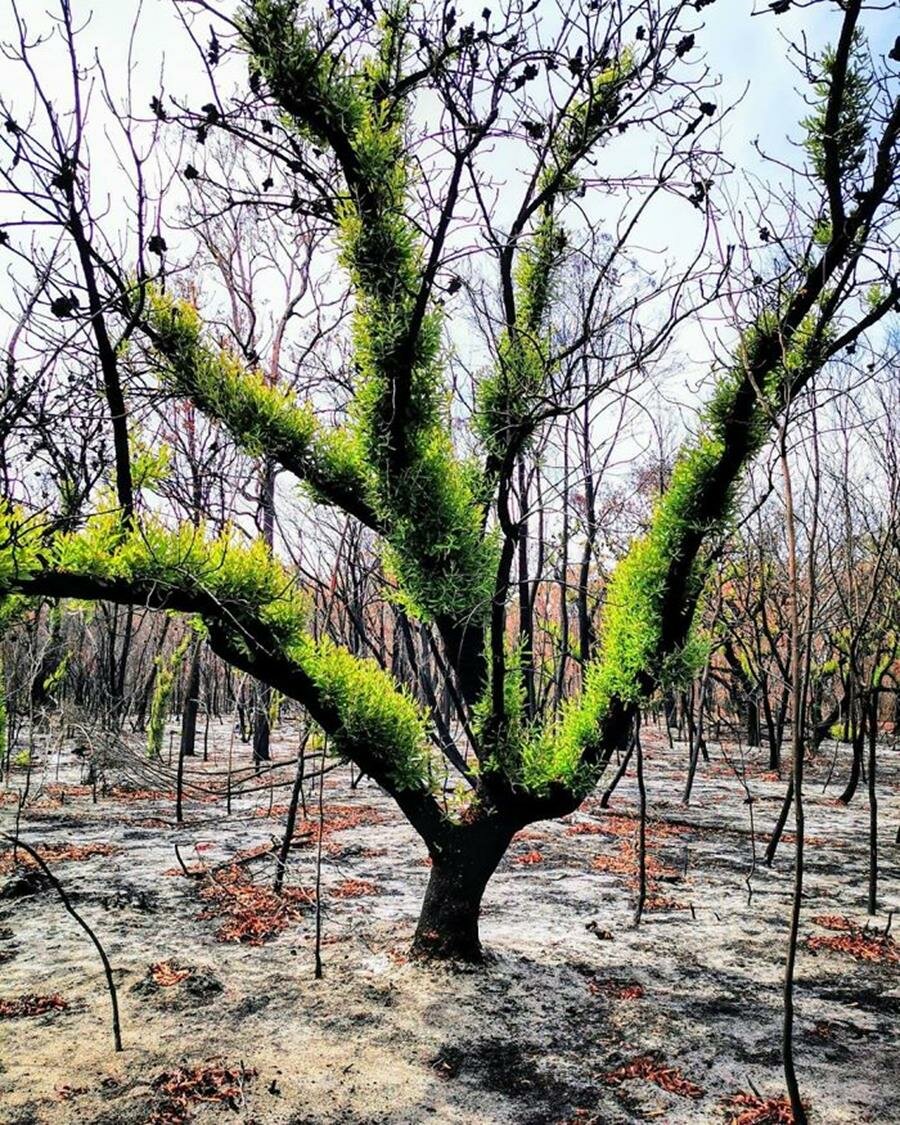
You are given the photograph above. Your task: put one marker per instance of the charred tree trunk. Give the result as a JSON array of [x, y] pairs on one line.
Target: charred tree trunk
[[261, 724], [461, 868], [779, 824], [780, 723], [873, 804], [191, 705], [263, 693], [858, 747], [823, 724], [772, 731], [754, 730]]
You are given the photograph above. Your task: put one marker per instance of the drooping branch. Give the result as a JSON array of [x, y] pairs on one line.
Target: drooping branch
[[256, 620]]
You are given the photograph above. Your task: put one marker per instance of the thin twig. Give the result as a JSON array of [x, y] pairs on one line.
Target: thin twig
[[107, 968]]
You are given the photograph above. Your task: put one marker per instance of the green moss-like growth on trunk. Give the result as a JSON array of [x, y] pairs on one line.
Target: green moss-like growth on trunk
[[247, 590], [851, 128], [263, 418], [643, 643], [167, 670], [425, 498], [586, 121], [376, 718], [508, 397]]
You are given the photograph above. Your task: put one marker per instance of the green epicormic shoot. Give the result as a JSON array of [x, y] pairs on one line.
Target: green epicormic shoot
[[845, 135], [509, 396], [167, 670], [425, 499], [264, 418], [645, 637], [248, 597], [393, 461]]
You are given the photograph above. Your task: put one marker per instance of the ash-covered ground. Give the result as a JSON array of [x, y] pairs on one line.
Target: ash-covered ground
[[577, 1016]]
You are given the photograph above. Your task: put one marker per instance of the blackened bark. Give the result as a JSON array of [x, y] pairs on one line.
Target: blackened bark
[[822, 727], [262, 725], [780, 823], [461, 868], [775, 747], [191, 705], [754, 733], [873, 804], [858, 744]]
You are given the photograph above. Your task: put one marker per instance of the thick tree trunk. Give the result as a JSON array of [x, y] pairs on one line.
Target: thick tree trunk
[[448, 923]]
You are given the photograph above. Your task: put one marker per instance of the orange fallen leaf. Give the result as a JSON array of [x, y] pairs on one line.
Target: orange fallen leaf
[[668, 1078], [32, 1004]]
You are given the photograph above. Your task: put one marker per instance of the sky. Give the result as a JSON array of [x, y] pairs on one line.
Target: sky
[[740, 40]]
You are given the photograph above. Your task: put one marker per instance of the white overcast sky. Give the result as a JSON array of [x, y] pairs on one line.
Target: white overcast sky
[[748, 51], [745, 48]]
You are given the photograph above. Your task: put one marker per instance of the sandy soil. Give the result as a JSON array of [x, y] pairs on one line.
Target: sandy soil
[[573, 992]]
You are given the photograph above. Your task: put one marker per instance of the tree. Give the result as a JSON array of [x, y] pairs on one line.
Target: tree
[[445, 488]]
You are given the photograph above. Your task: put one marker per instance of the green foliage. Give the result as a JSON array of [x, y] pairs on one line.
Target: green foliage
[[12, 606], [823, 232], [20, 539], [150, 466], [167, 669], [245, 576], [299, 71], [343, 466], [58, 675], [586, 121], [379, 726], [825, 669], [507, 397], [377, 721], [262, 417], [632, 659], [875, 294], [503, 744], [736, 392], [399, 418], [853, 119]]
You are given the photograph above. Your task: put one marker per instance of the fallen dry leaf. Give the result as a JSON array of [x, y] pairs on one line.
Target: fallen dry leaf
[[55, 853], [668, 1078], [748, 1109], [166, 974], [32, 1004], [252, 914]]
